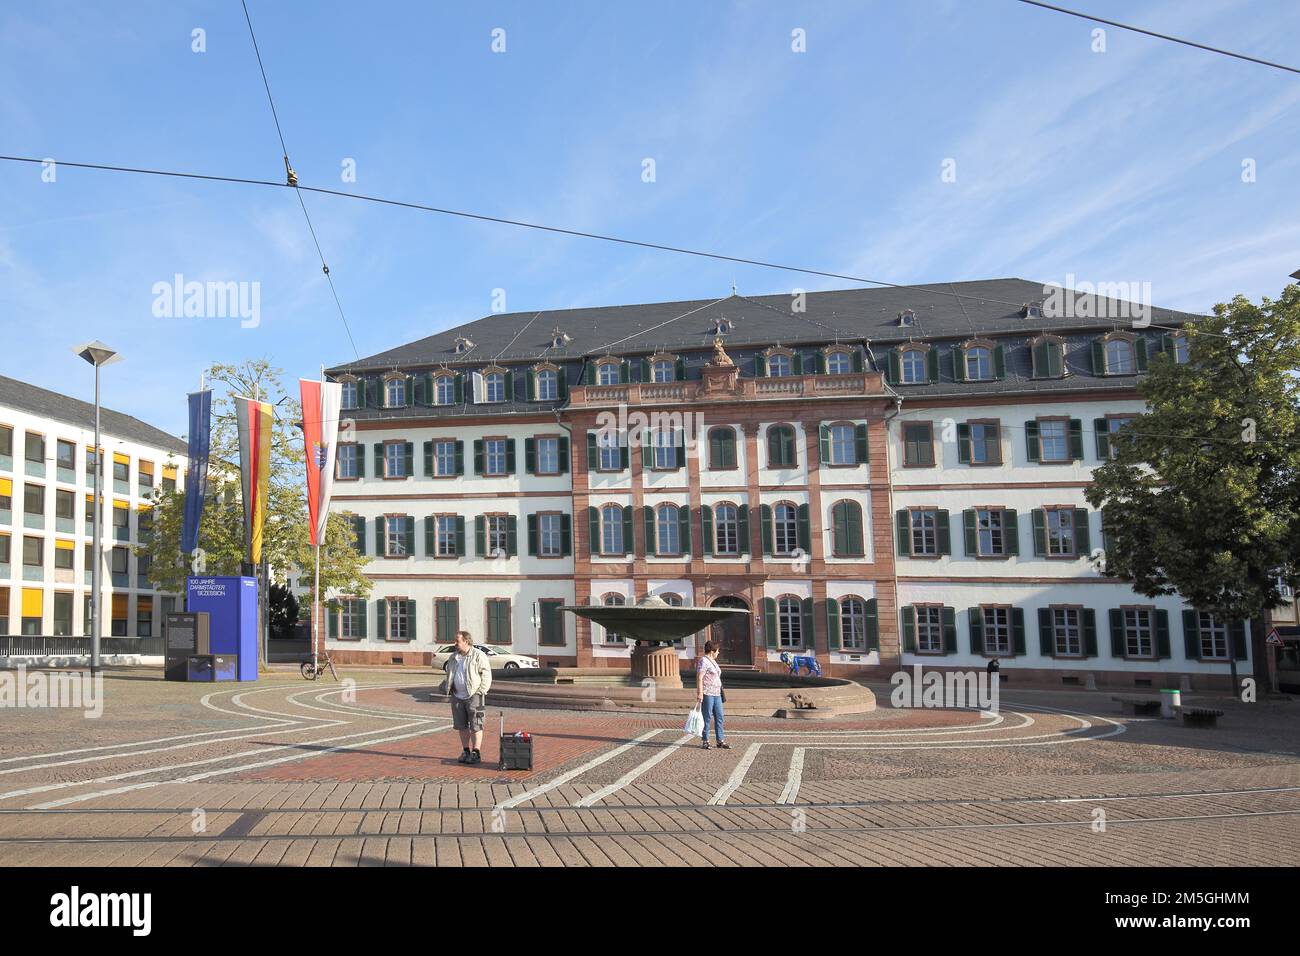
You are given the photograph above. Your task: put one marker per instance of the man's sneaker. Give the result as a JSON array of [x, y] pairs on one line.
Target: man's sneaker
[[465, 757], [723, 745], [705, 745], [474, 757]]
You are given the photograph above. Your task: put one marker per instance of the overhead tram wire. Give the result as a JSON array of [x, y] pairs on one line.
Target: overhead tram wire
[[292, 181], [1160, 36], [919, 289]]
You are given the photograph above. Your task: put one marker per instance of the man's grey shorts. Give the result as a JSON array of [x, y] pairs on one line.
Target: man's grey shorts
[[467, 714]]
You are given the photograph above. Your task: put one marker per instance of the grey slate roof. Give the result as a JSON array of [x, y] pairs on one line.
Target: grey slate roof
[[73, 411], [945, 310], [945, 314]]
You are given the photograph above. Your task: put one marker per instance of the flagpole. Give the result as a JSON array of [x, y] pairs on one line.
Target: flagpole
[[316, 601]]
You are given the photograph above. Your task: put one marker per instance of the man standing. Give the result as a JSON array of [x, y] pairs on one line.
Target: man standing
[[469, 677]]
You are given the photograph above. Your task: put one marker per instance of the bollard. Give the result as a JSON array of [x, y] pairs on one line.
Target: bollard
[[1169, 702]]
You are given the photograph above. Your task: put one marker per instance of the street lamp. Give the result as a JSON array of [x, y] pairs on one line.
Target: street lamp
[[97, 354]]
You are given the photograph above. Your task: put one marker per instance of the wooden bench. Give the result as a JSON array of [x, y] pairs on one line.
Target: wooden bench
[[1199, 716], [1139, 706]]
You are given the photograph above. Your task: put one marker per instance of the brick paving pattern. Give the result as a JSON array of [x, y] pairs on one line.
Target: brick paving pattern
[[283, 772]]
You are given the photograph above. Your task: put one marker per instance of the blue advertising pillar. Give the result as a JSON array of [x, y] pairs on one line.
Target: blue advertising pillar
[[231, 603]]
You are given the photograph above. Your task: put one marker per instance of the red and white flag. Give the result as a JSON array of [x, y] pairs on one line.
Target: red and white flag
[[321, 405]]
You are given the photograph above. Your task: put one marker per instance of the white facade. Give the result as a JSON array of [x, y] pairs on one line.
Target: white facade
[[39, 595]]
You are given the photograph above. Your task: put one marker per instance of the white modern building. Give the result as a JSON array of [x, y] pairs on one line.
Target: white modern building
[[47, 510]]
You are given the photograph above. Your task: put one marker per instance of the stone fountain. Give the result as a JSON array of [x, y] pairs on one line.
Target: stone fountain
[[655, 625]]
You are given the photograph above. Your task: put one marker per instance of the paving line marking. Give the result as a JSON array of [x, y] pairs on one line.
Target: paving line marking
[[794, 779], [634, 773], [577, 771], [737, 776], [192, 778]]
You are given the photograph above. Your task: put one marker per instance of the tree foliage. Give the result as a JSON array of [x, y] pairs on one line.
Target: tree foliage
[[1203, 495], [287, 541]]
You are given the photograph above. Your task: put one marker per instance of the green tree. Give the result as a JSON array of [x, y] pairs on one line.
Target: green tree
[[1203, 495], [286, 540]]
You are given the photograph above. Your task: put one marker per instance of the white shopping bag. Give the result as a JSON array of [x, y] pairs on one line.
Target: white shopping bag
[[695, 722]]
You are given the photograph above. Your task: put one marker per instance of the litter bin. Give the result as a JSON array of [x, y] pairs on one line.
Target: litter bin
[[1170, 701]]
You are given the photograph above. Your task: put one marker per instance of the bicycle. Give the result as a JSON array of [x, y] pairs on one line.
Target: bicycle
[[312, 671]]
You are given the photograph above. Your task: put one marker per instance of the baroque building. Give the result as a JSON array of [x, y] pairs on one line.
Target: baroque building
[[881, 477]]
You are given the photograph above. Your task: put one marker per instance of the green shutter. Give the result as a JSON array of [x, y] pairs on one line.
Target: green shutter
[[872, 623], [861, 443], [770, 632], [629, 545], [532, 535], [944, 532], [409, 535], [907, 617], [1101, 430], [1116, 633], [1098, 352], [1046, 638], [975, 624], [380, 550], [805, 529], [510, 456], [1040, 533], [1018, 630], [480, 536], [562, 453], [460, 458], [478, 456], [512, 535], [970, 533], [530, 456], [760, 365], [894, 372], [999, 362], [684, 529], [1010, 532], [380, 471], [1082, 537], [963, 443], [647, 450], [958, 363], [824, 444], [1162, 634], [1032, 450], [1089, 620], [408, 458], [430, 544], [593, 531], [949, 630], [681, 450], [648, 526], [903, 523], [593, 453], [832, 622], [332, 619], [1076, 439], [765, 522], [1140, 354], [808, 625], [706, 529], [411, 620], [1240, 640], [381, 619], [359, 531], [566, 535], [428, 459], [458, 388], [742, 525]]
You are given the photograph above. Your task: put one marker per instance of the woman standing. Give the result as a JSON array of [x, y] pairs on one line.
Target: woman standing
[[708, 694]]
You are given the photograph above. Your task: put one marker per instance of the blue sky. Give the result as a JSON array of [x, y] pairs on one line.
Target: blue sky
[[1117, 166]]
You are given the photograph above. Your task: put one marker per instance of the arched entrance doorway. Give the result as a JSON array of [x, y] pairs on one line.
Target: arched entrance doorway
[[732, 635]]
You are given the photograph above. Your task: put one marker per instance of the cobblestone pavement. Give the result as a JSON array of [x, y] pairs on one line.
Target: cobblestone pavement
[[287, 772]]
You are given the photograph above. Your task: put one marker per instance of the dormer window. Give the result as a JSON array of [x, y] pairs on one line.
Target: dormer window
[[778, 366], [663, 370], [1179, 348], [906, 318], [838, 362], [548, 385], [444, 389], [494, 387], [1032, 310], [560, 339], [463, 344], [978, 361], [721, 326], [1119, 353], [912, 367], [395, 391], [1048, 352], [350, 393], [607, 374]]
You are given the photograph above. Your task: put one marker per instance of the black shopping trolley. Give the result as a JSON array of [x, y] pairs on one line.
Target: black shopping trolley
[[516, 749]]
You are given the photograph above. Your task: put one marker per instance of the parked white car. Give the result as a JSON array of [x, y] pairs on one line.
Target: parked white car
[[499, 659]]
